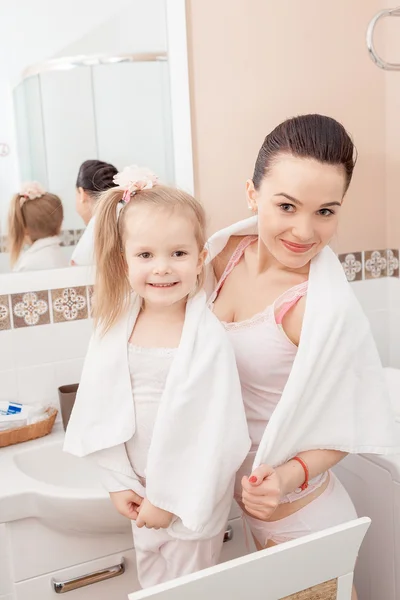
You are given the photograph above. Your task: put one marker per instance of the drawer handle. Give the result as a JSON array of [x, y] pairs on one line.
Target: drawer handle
[[228, 535], [61, 587]]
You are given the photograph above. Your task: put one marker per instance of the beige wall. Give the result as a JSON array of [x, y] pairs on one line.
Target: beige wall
[[391, 53], [254, 63]]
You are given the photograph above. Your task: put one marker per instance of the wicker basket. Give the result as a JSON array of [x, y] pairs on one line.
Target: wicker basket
[[29, 432]]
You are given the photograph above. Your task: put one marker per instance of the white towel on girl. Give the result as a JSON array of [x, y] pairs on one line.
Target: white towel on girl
[[336, 395], [200, 437]]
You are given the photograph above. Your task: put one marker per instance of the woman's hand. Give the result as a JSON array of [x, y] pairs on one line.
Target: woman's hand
[[152, 517], [262, 492], [127, 503]]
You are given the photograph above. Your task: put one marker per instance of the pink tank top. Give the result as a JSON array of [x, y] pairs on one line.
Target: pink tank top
[[264, 357]]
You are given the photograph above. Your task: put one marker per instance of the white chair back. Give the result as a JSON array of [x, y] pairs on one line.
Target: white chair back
[[277, 573]]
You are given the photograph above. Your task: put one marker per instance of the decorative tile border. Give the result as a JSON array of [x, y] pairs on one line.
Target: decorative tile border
[[392, 258], [74, 303], [46, 307], [69, 304], [31, 308], [69, 237], [370, 264], [5, 320]]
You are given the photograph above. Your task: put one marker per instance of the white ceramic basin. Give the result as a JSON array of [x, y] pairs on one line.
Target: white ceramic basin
[[44, 482], [49, 464]]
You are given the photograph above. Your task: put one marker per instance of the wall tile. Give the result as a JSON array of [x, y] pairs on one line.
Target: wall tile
[[379, 320], [5, 317], [30, 309], [375, 263], [37, 385], [78, 234], [394, 339], [3, 243], [90, 290], [9, 385], [68, 237], [393, 293], [352, 264], [52, 343], [373, 294], [392, 260], [68, 372], [69, 304], [8, 351]]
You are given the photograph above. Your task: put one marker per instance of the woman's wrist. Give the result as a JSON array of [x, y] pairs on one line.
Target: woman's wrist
[[291, 475]]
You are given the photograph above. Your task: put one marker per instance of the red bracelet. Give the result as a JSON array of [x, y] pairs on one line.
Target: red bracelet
[[304, 486]]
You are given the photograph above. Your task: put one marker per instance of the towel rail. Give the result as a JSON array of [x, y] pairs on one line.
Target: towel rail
[[380, 62]]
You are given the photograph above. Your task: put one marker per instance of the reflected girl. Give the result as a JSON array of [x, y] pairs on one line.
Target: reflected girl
[[35, 218]]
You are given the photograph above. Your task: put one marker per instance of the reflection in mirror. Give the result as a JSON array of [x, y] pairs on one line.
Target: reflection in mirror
[[118, 114], [113, 106]]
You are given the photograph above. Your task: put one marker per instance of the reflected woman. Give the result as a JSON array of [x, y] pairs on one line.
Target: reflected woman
[[94, 177]]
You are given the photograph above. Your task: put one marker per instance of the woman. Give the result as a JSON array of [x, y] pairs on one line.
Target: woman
[[94, 177], [312, 393]]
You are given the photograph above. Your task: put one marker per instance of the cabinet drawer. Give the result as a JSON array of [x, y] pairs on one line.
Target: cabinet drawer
[[42, 588]]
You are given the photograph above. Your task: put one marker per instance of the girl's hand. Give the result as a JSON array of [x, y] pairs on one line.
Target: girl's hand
[[152, 517], [262, 492], [127, 503]]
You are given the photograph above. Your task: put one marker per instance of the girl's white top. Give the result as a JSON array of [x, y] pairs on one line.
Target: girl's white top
[[149, 368]]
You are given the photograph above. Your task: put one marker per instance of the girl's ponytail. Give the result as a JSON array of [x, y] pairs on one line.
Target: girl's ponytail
[[16, 229], [112, 287]]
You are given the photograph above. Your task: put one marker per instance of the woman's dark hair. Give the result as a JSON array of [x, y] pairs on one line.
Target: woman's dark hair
[[96, 176], [307, 136]]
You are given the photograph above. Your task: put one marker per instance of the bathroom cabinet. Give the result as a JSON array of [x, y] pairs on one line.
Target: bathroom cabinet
[[40, 557]]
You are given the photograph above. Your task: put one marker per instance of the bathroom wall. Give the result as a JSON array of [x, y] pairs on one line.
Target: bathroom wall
[[253, 65], [45, 326], [390, 28], [391, 53]]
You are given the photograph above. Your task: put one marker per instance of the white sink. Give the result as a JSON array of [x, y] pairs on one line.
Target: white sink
[[51, 465], [39, 480]]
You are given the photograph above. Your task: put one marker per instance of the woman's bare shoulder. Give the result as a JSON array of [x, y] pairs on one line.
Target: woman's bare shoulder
[[219, 263]]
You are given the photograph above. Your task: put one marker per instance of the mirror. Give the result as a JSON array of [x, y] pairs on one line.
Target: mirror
[[120, 107]]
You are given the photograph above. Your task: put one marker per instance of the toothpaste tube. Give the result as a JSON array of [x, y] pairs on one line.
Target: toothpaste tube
[[10, 408], [14, 414], [11, 415]]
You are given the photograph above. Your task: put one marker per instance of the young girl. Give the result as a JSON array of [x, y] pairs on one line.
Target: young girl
[[159, 404], [35, 218]]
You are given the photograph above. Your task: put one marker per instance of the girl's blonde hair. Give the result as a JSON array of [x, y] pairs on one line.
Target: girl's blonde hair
[[112, 289], [38, 218]]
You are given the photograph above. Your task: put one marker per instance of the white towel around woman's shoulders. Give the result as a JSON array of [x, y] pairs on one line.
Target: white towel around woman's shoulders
[[336, 395]]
